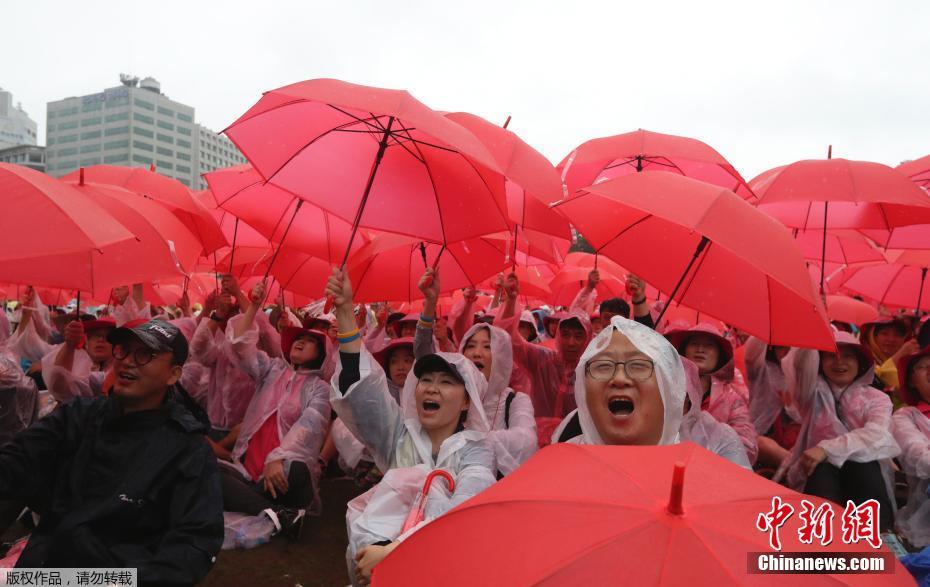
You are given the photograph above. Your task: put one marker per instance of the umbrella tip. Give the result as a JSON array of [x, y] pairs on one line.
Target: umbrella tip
[[829, 151], [152, 166], [507, 122], [81, 177], [678, 485]]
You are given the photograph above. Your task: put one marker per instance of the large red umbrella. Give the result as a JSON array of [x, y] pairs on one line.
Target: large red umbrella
[[708, 249], [917, 170], [43, 217], [915, 236], [604, 158], [162, 247], [168, 192], [390, 266], [832, 193], [902, 283], [374, 157], [640, 515], [851, 250]]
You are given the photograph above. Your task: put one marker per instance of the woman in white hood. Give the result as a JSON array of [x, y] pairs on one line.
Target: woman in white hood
[[629, 387], [439, 424], [509, 413]]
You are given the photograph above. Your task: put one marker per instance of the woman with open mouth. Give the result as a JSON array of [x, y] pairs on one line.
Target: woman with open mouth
[[439, 424], [845, 446], [509, 413], [629, 387]]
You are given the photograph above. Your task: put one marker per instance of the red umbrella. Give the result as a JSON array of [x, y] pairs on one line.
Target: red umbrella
[[390, 266], [902, 283], [641, 150], [916, 236], [163, 247], [850, 310], [279, 215], [566, 284], [849, 250], [838, 193], [43, 217], [642, 515], [377, 158], [747, 270], [168, 192], [917, 170]]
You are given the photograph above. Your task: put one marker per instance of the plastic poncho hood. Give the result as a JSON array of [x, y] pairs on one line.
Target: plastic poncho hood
[[501, 367], [669, 372], [475, 387]]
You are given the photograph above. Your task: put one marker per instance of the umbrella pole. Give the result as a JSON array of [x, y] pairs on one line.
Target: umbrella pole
[[382, 147], [77, 310], [823, 250], [284, 236], [920, 292], [697, 253], [232, 251]]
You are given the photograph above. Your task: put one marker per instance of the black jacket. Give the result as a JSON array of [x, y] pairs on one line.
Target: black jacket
[[118, 490]]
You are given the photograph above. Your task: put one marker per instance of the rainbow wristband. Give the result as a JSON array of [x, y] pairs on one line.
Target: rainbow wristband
[[427, 319], [349, 339]]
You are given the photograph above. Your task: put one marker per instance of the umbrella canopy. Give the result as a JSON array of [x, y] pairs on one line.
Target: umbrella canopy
[[902, 283], [850, 310], [852, 195], [917, 170], [601, 159], [566, 284], [376, 158], [850, 250], [43, 217], [915, 236], [270, 210], [168, 192], [162, 247], [651, 515], [390, 266], [708, 249]]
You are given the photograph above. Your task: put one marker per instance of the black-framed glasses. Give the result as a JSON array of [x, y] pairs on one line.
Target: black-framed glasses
[[605, 369], [141, 356]]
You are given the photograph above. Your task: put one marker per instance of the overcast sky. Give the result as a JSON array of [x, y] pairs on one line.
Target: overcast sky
[[765, 83]]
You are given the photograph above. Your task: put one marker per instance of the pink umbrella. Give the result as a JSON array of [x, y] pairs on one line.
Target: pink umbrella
[[849, 250], [916, 236], [902, 283], [850, 310], [917, 170]]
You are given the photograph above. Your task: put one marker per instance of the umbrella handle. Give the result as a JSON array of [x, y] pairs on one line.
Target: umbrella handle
[[419, 505]]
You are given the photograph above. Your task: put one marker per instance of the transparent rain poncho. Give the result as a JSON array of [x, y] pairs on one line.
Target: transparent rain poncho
[[31, 343], [19, 400], [911, 429]]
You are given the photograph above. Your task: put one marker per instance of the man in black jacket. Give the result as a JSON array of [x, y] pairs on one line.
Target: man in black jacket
[[126, 480]]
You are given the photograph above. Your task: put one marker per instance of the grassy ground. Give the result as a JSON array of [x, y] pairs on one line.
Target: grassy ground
[[318, 559]]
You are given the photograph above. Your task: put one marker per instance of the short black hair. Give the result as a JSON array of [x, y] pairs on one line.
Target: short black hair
[[898, 325], [572, 323], [616, 306]]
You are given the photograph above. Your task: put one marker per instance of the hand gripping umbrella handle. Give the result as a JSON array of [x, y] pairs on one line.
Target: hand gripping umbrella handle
[[419, 505]]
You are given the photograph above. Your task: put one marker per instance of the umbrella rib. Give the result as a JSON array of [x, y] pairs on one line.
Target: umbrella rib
[[406, 148], [432, 183], [622, 232], [502, 213], [374, 121], [694, 273]]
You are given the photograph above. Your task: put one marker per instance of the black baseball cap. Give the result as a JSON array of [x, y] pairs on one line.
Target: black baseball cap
[[157, 335], [435, 364]]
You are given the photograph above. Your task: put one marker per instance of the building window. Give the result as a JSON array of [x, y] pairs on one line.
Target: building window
[[118, 101], [92, 106], [166, 111], [165, 125], [68, 139], [183, 156], [183, 169], [142, 159], [143, 118], [144, 132], [66, 152], [49, 141], [68, 125], [49, 128], [183, 143], [90, 161], [165, 138], [144, 104], [164, 151], [185, 117], [93, 148], [116, 130], [123, 144], [68, 111], [94, 134], [183, 129], [51, 114], [184, 181], [143, 146], [163, 164], [91, 121], [117, 116], [118, 158]]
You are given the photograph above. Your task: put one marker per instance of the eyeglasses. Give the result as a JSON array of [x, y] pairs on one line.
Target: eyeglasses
[[141, 356], [605, 369]]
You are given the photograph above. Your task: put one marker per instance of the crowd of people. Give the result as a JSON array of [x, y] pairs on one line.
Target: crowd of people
[[152, 437]]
